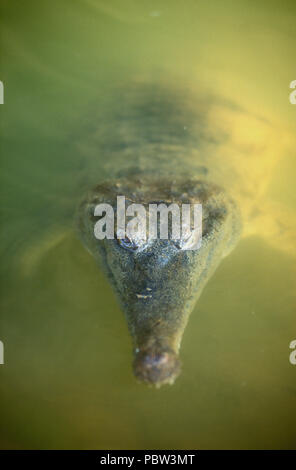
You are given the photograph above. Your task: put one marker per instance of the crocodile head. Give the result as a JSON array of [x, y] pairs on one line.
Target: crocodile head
[[158, 281]]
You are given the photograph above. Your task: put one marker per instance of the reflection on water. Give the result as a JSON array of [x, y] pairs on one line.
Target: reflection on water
[[67, 382]]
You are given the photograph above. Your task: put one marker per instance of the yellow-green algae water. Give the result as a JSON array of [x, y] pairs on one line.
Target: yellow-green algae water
[[67, 380]]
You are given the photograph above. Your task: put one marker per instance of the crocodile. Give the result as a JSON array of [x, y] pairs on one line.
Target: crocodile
[[163, 142]]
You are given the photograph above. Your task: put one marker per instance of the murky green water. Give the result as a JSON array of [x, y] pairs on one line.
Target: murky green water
[[67, 381]]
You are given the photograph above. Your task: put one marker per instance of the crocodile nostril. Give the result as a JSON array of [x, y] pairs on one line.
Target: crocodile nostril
[[156, 366]]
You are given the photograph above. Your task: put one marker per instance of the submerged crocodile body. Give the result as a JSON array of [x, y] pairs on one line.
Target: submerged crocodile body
[[158, 284], [158, 142]]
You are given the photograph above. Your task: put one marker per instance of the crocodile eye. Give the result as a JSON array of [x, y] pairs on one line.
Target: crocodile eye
[[127, 243], [190, 241]]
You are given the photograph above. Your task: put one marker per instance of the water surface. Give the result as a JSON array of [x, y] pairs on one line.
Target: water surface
[[67, 380]]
